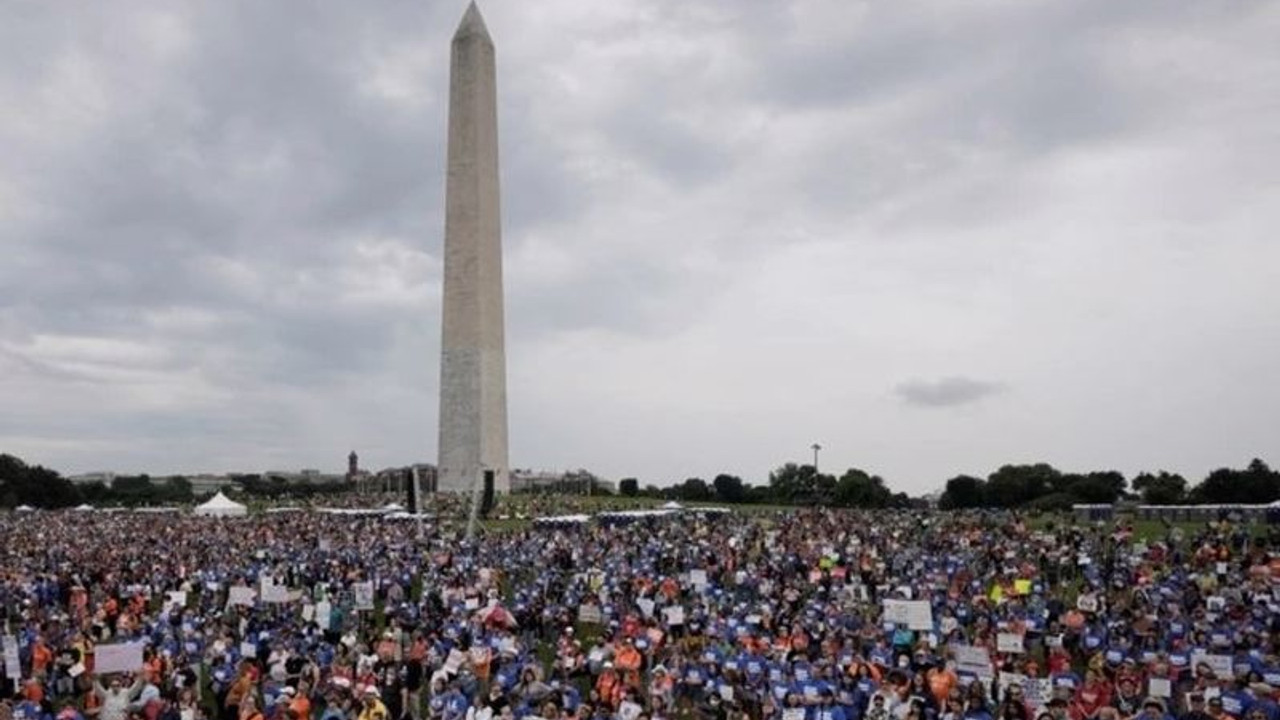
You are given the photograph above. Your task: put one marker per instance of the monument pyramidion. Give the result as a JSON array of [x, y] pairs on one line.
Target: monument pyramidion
[[473, 366]]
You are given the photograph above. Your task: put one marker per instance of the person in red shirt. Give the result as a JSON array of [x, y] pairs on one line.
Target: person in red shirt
[[1091, 697]]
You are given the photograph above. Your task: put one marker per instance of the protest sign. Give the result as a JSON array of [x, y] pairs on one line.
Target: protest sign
[[915, 614], [117, 658], [276, 594], [698, 578], [1222, 665], [323, 610], [675, 615], [973, 660], [241, 595], [362, 595], [12, 663], [1009, 643], [175, 598], [590, 614], [1160, 687]]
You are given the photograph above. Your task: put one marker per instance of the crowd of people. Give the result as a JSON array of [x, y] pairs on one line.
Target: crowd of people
[[801, 615]]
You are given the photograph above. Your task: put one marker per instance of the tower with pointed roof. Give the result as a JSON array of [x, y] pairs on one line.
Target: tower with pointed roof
[[473, 368]]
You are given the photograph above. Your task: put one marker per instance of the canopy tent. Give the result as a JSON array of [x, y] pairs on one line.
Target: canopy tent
[[562, 521], [84, 508], [221, 506], [672, 505], [24, 509]]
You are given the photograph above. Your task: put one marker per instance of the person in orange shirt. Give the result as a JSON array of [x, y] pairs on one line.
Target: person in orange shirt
[[41, 658], [942, 680], [299, 705], [628, 657], [607, 684]]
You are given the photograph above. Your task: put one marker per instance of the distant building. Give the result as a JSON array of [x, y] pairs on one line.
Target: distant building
[[209, 484], [574, 482], [106, 478]]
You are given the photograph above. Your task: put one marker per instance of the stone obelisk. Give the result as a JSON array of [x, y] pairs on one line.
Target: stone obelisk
[[473, 366]]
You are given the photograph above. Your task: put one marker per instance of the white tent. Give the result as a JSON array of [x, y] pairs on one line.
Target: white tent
[[221, 506], [84, 508], [673, 505], [24, 508]]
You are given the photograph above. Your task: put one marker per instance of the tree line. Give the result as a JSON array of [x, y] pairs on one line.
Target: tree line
[[1032, 486], [38, 486], [791, 484], [1044, 487]]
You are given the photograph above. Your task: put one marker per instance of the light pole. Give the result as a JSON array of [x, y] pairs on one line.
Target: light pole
[[816, 448]]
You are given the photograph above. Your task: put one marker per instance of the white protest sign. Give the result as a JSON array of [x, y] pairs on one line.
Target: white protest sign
[[1087, 603], [248, 650], [12, 663], [176, 598], [590, 614], [118, 658], [973, 660], [646, 606], [698, 578], [915, 614], [1222, 665], [363, 594], [1008, 680], [241, 595], [277, 594], [1160, 687], [629, 711], [1009, 643], [308, 613], [796, 713], [323, 610], [675, 615]]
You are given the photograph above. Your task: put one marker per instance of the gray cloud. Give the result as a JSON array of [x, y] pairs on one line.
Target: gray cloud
[[726, 225], [946, 392]]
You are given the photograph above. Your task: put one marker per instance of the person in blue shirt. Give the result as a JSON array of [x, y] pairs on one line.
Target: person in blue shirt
[[827, 708]]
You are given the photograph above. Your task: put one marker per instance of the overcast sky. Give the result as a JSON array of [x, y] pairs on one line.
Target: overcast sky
[[934, 237]]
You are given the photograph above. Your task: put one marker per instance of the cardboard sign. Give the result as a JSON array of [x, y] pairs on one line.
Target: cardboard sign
[[915, 614], [118, 658]]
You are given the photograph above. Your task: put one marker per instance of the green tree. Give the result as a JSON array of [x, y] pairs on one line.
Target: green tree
[[729, 488], [628, 487], [1255, 484], [1016, 485], [22, 484], [694, 489], [801, 485], [1161, 489], [858, 489], [964, 492]]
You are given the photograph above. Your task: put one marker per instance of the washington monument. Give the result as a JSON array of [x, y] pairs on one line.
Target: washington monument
[[473, 365]]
